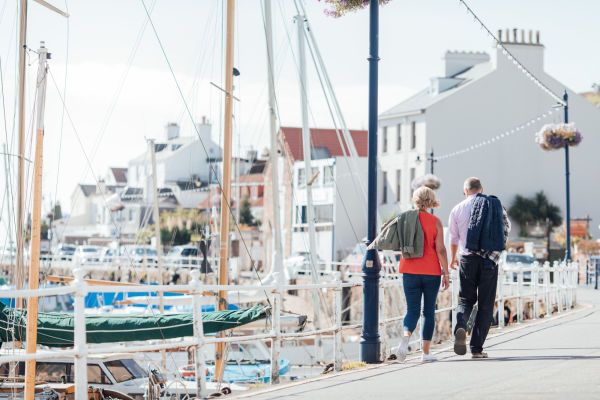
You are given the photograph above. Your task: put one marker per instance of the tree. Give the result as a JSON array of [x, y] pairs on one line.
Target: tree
[[246, 217], [57, 209], [536, 209]]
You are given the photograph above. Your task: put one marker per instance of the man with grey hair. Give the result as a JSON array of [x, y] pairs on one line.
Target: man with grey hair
[[478, 272]]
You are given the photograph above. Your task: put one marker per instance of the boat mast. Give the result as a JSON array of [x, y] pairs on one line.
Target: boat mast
[[156, 216], [309, 179], [8, 206], [277, 260], [226, 181], [19, 276], [34, 268]]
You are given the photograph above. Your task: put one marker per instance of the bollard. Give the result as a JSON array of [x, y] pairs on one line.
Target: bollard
[[276, 341], [500, 305], [337, 336], [79, 334], [200, 366]]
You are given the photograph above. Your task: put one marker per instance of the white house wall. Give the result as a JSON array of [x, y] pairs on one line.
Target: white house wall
[[514, 165]]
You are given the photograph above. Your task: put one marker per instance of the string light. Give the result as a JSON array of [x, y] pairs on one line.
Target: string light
[[510, 57], [502, 135]]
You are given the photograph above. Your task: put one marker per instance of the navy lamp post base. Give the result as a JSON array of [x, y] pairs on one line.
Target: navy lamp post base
[[370, 345]]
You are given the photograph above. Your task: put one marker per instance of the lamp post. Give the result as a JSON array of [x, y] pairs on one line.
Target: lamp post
[[568, 187], [370, 343], [430, 158]]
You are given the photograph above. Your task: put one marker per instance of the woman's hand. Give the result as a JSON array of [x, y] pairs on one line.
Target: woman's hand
[[445, 281]]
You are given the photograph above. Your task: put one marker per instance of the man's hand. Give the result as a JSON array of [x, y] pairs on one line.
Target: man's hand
[[454, 263], [445, 281]]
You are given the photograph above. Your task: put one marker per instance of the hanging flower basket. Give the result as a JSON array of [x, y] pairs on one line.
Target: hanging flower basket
[[429, 180], [341, 7], [556, 136]]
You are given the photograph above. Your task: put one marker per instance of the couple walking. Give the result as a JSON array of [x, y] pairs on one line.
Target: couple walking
[[478, 228]]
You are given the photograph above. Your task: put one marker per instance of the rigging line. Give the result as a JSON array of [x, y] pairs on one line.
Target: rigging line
[[512, 58], [210, 163], [500, 136], [62, 118], [290, 165]]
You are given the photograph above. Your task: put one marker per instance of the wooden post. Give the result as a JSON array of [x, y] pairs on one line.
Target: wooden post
[[226, 182], [34, 269]]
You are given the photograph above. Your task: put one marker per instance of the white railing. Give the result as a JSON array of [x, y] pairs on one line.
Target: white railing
[[560, 291]]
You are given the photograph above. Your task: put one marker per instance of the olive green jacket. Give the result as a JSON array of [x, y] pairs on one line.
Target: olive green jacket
[[403, 233]]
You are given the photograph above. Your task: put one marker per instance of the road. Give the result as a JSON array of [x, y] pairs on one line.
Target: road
[[553, 358]]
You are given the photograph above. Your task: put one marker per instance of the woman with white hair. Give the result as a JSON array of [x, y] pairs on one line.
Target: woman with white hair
[[422, 276]]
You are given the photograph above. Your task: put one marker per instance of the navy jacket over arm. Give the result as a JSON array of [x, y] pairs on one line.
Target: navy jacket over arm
[[486, 225]]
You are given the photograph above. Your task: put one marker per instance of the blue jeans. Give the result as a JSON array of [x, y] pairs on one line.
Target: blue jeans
[[417, 287]]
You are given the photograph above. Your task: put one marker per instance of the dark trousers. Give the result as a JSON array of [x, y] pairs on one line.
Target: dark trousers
[[478, 281]]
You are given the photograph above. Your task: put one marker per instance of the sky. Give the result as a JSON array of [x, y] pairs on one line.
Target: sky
[[118, 89]]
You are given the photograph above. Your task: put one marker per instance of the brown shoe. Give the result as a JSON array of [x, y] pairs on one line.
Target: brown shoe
[[479, 355], [460, 342]]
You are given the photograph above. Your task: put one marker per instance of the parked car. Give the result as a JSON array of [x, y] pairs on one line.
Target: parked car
[[64, 252], [137, 254], [184, 255], [517, 260], [87, 254]]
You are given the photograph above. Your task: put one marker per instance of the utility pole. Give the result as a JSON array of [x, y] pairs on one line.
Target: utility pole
[[34, 269], [156, 217], [226, 182], [568, 186], [371, 343], [308, 177]]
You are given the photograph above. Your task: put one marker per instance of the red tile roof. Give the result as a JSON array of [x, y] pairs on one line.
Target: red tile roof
[[250, 178], [327, 138]]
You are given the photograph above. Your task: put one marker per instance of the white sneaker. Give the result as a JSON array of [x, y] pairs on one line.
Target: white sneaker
[[428, 358], [402, 349]]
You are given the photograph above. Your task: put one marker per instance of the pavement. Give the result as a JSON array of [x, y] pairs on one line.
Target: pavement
[[551, 358]]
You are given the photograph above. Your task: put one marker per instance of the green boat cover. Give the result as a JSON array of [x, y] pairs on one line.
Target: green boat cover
[[56, 329]]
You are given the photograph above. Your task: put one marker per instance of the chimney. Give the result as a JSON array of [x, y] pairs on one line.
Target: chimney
[[101, 186], [172, 130], [530, 54], [251, 155]]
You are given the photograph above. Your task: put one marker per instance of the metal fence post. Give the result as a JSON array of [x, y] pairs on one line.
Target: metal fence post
[[596, 272], [337, 335], [200, 366], [382, 328], [558, 285], [519, 294], [587, 272], [276, 340], [79, 334], [534, 282], [547, 288], [500, 305]]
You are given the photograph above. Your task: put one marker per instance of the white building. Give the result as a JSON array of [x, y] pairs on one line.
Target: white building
[[340, 212], [477, 98], [182, 163]]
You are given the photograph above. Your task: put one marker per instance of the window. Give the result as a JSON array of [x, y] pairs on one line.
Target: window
[[301, 177], [413, 135], [95, 375], [398, 137], [398, 184], [131, 215], [412, 178], [384, 191], [51, 372], [324, 213], [328, 175], [124, 370], [300, 214], [384, 140]]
